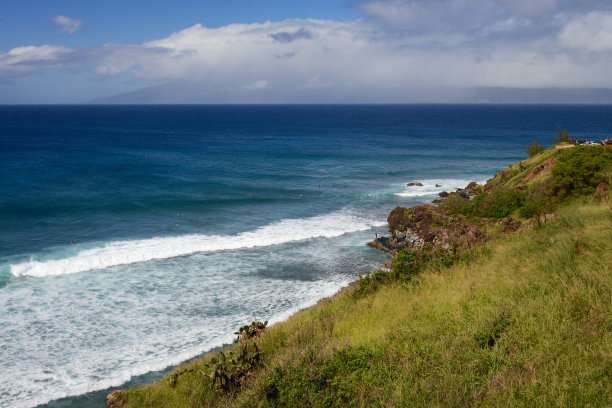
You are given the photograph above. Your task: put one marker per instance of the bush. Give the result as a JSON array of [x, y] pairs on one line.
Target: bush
[[579, 171], [371, 282], [532, 207], [497, 204], [534, 148], [319, 381], [404, 265], [456, 205]]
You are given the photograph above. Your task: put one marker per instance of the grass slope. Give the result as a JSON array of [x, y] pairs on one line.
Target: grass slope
[[523, 320]]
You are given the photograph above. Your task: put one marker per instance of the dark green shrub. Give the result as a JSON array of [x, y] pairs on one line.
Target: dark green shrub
[[404, 265], [532, 207], [371, 282], [579, 171], [456, 205], [321, 382], [496, 204]]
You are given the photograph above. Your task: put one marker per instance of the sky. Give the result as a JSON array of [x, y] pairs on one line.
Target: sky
[[280, 51]]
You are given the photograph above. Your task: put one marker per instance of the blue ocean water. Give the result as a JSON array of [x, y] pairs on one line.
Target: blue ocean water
[[136, 237]]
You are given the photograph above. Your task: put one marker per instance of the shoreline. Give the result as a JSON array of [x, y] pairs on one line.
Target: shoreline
[[98, 398]]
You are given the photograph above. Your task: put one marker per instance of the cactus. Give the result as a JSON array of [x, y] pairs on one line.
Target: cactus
[[248, 331]]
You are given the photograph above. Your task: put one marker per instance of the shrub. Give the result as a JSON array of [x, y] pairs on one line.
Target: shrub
[[534, 148], [497, 204], [531, 208], [371, 282], [456, 205], [404, 265], [579, 171], [319, 381], [228, 371]]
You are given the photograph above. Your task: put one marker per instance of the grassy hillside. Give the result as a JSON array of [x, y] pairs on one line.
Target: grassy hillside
[[522, 320]]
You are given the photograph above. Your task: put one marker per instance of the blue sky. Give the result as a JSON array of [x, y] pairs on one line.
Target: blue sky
[[273, 51], [27, 22]]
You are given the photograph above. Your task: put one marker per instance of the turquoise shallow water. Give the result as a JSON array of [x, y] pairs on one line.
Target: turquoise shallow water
[[135, 237]]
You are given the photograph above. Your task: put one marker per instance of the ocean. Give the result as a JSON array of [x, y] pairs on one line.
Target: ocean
[[136, 237]]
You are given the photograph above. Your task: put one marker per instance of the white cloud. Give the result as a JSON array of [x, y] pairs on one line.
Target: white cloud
[[302, 60], [25, 60], [345, 57], [67, 24], [592, 33]]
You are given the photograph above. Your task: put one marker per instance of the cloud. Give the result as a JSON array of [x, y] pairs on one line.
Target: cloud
[[397, 50], [592, 33], [348, 55], [67, 24], [22, 61]]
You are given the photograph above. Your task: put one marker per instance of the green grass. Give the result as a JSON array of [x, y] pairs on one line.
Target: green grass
[[525, 320]]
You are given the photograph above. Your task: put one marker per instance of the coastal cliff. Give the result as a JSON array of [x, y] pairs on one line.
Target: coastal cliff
[[500, 296]]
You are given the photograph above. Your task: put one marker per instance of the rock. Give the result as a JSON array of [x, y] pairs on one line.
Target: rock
[[438, 185], [415, 184], [426, 225], [469, 192], [436, 201], [114, 400], [443, 194]]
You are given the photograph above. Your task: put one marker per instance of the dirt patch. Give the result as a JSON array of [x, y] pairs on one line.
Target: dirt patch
[[540, 170]]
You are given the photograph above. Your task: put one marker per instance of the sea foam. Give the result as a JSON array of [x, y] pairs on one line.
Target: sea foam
[[430, 187], [132, 251]]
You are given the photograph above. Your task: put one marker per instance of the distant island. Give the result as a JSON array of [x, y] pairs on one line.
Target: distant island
[[187, 92]]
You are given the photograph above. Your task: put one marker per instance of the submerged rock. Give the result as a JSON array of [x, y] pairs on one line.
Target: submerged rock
[[415, 184]]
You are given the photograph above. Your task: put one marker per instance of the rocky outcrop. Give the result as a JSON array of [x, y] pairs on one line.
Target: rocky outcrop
[[415, 184], [426, 225], [470, 191], [114, 400]]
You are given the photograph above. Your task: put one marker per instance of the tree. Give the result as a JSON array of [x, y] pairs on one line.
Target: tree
[[534, 148], [562, 136]]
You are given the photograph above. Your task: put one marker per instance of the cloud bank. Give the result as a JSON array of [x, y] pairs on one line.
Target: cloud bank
[[397, 48]]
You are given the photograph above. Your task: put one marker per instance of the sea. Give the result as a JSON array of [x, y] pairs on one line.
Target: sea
[[133, 238]]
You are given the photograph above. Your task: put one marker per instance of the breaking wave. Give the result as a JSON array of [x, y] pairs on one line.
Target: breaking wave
[[132, 251]]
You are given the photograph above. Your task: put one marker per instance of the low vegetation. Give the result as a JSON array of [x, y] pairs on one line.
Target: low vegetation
[[539, 184], [522, 320]]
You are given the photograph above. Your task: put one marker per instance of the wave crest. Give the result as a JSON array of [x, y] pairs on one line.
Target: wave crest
[[132, 251]]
